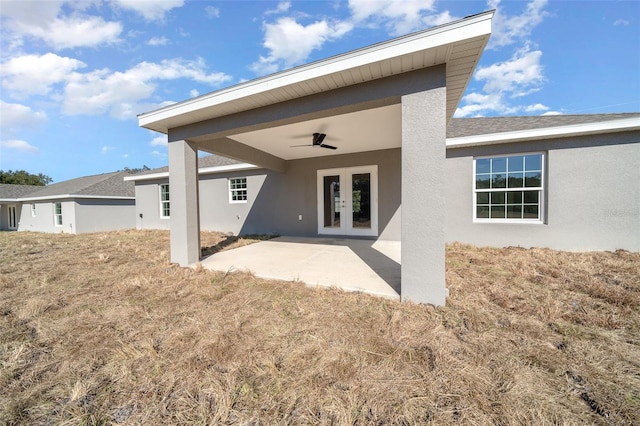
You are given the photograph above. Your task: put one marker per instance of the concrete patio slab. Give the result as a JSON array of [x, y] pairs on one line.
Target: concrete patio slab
[[353, 265]]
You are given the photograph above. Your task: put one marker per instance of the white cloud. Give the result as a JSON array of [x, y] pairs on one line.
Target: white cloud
[[536, 108], [212, 12], [520, 75], [19, 145], [121, 93], [398, 16], [290, 43], [35, 74], [158, 41], [622, 22], [17, 116], [45, 21], [553, 113], [194, 93], [159, 154], [160, 140], [151, 10], [504, 81], [106, 148], [509, 29], [282, 7]]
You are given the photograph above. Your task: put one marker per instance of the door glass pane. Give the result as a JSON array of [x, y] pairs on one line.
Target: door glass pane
[[361, 200], [12, 217], [331, 195]]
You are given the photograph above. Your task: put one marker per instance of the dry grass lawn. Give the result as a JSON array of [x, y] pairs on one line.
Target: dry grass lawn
[[102, 329]]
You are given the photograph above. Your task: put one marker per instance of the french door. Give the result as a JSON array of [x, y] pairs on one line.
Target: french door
[[13, 217], [348, 201]]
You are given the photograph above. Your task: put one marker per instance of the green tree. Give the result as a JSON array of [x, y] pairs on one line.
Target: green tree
[[136, 170], [21, 177]]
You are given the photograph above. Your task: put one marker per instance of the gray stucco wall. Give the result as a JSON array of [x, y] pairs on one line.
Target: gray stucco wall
[[275, 200], [148, 205], [44, 218], [79, 216], [98, 215], [592, 195]]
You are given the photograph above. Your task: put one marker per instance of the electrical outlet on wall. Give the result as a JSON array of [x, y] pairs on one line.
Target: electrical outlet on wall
[[299, 217]]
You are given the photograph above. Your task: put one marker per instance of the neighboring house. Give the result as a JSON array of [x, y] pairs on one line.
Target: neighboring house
[[10, 208], [102, 202], [395, 174]]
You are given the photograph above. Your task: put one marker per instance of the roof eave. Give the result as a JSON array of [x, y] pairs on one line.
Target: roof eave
[[201, 171], [612, 126], [447, 34], [75, 196]]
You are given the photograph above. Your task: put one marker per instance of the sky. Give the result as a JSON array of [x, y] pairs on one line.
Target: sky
[[75, 74]]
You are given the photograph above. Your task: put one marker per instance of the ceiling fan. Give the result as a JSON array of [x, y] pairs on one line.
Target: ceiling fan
[[317, 142]]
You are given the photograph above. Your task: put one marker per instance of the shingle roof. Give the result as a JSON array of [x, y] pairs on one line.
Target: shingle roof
[[105, 185], [203, 162], [11, 191], [460, 127]]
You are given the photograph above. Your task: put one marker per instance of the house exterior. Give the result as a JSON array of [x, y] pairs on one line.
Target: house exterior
[[10, 207], [396, 165], [96, 203], [575, 151]]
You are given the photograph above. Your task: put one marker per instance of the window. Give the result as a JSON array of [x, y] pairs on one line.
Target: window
[[165, 208], [238, 190], [509, 188], [33, 210], [57, 213]]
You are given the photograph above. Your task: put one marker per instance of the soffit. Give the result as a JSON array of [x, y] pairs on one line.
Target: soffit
[[369, 130]]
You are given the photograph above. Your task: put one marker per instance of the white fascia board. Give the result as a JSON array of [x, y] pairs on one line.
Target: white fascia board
[[71, 196], [474, 26], [622, 125], [202, 171]]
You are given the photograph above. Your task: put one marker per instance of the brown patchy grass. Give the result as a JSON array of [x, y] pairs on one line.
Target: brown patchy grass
[[101, 329]]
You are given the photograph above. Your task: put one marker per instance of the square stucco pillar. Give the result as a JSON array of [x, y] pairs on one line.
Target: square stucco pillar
[[184, 199], [423, 196]]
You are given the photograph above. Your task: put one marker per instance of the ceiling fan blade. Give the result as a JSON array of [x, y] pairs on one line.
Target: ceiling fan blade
[[324, 145], [296, 146]]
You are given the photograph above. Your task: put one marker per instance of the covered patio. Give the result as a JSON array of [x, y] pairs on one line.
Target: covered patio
[[366, 266], [383, 108]]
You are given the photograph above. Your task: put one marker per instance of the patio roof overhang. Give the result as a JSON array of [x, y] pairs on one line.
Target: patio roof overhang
[[457, 46]]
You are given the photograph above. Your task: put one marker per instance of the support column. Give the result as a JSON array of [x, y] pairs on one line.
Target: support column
[[184, 200], [423, 196]]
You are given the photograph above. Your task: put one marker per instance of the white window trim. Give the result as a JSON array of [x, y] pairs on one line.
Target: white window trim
[[161, 202], [55, 215], [542, 198], [231, 200]]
